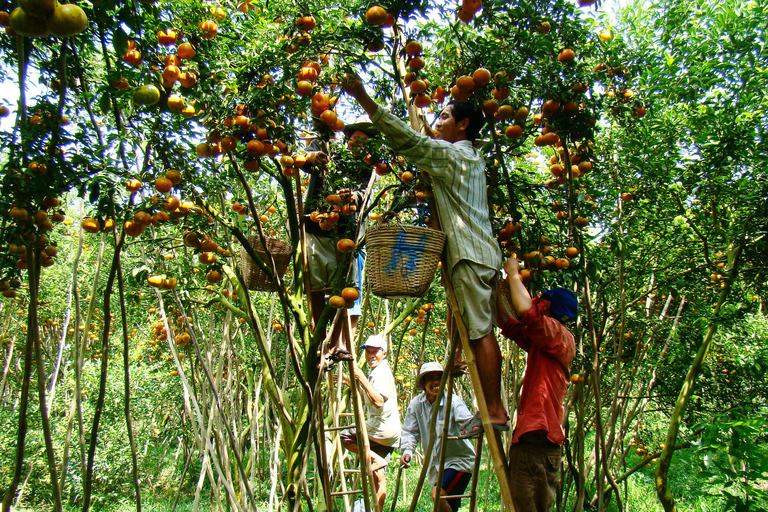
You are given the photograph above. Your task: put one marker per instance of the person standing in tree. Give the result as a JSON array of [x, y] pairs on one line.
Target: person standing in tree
[[322, 255], [473, 257]]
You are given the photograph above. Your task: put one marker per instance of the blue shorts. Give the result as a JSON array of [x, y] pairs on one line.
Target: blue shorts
[[454, 484]]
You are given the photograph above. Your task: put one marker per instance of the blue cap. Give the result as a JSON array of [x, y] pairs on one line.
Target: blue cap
[[563, 304]]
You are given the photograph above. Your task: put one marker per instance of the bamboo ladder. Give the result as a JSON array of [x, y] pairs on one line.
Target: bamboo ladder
[[447, 382], [495, 445], [366, 475], [498, 456]]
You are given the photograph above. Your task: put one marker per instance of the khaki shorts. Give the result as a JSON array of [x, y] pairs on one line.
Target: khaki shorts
[[322, 258], [475, 288]]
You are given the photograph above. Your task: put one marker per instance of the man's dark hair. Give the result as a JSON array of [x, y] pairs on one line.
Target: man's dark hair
[[468, 110]]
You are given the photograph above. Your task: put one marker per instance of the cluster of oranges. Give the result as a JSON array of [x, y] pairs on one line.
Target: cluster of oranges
[[206, 250], [40, 18], [418, 86], [580, 165], [34, 222], [162, 282], [257, 132], [337, 205], [173, 70], [8, 288]]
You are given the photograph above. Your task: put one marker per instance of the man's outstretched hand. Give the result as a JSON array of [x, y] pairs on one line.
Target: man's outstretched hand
[[355, 88], [353, 85]]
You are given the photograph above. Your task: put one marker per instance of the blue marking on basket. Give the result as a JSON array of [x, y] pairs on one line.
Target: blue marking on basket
[[410, 254]]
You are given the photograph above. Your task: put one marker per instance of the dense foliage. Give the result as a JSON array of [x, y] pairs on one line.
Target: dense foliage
[[626, 159]]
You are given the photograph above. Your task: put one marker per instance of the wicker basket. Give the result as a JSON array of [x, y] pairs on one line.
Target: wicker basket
[[402, 260], [502, 292], [254, 277]]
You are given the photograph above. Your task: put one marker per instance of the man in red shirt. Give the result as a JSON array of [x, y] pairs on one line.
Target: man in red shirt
[[535, 455]]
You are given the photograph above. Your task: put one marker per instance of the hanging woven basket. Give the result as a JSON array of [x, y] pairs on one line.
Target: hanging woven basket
[[254, 277], [402, 260], [502, 290]]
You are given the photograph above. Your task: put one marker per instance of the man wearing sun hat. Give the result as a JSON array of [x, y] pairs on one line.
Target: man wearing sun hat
[[382, 419], [327, 167], [459, 454], [535, 455]]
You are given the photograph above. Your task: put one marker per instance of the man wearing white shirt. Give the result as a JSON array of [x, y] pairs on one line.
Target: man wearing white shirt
[[459, 453]]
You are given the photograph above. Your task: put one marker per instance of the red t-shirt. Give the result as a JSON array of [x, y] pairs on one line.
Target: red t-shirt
[[551, 349]]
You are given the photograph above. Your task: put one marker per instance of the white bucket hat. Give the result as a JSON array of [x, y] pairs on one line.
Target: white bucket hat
[[425, 369]]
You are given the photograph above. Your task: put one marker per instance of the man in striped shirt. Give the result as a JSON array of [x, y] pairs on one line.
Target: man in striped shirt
[[472, 255]]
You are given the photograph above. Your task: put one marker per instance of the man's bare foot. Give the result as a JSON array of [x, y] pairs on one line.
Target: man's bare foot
[[377, 463]]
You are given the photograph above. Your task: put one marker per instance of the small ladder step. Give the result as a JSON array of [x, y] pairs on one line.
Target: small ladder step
[[345, 493], [458, 496], [340, 427]]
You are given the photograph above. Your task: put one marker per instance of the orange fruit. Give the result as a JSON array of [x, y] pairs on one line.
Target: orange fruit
[[514, 131], [465, 15], [132, 57], [133, 185], [500, 93], [208, 28], [416, 64], [146, 94], [207, 258], [337, 302], [320, 102], [155, 280], [306, 23], [345, 245], [66, 20], [350, 293], [413, 48], [133, 228], [566, 56], [381, 168], [505, 112], [481, 77], [376, 15], [174, 176], [185, 51], [418, 86], [465, 83], [550, 107], [422, 101], [328, 118], [163, 185], [304, 88], [471, 6], [490, 107], [521, 114]]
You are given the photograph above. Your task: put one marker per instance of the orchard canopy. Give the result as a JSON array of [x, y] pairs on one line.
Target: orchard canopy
[[148, 150]]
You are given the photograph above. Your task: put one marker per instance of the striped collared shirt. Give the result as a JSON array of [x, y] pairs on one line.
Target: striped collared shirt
[[458, 176]]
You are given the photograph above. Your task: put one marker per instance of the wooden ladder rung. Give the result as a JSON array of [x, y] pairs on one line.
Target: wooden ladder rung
[[340, 427], [351, 470], [458, 496], [347, 414], [344, 493]]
